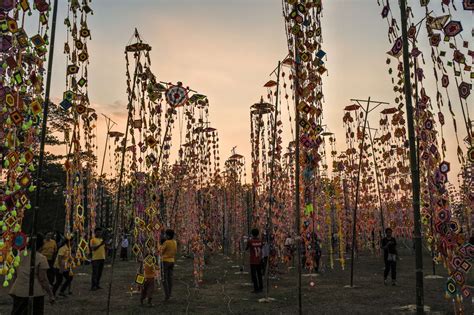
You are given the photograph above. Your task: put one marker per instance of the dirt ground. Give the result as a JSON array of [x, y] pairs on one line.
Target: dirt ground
[[225, 291]]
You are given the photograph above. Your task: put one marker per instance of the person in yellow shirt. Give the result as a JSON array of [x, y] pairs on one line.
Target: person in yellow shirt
[[49, 251], [149, 272], [168, 253], [62, 268], [97, 246]]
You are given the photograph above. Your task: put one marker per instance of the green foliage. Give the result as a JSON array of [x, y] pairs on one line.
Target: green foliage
[[51, 211]]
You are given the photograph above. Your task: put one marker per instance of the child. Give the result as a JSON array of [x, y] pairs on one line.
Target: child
[[149, 272], [62, 268], [255, 247]]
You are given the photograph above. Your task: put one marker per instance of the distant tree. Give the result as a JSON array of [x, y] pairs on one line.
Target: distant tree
[[51, 213]]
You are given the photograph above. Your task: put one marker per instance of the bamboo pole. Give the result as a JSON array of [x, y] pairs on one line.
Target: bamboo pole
[[415, 65], [272, 176], [297, 176], [378, 181], [39, 174], [119, 189], [432, 247], [354, 214], [367, 111], [109, 127], [249, 207], [224, 226], [415, 172]]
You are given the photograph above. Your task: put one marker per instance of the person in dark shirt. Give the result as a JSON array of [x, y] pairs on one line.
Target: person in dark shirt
[[389, 246], [255, 246]]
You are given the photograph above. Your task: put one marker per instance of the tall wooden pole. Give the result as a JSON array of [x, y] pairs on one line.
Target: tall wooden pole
[[108, 205], [85, 202], [224, 227], [296, 84], [354, 215], [101, 217], [415, 172], [119, 189], [382, 223], [272, 176], [110, 124], [417, 120], [249, 208], [367, 111], [39, 174], [432, 247]]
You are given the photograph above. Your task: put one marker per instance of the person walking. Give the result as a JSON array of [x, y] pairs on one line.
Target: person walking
[[168, 254], [20, 288], [254, 245], [97, 246], [49, 250], [390, 256], [124, 248], [62, 269]]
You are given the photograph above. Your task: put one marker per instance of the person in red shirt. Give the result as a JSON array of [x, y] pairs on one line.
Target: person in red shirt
[[255, 246]]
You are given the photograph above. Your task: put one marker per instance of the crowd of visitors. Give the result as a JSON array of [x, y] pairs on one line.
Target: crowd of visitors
[[54, 268]]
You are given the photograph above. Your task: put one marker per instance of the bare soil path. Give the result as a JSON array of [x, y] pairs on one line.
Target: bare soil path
[[225, 291]]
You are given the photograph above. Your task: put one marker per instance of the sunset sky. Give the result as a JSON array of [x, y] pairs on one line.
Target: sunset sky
[[226, 50]]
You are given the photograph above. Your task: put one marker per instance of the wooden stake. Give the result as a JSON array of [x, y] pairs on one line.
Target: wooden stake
[[272, 176], [297, 177], [415, 172], [354, 215], [119, 189], [39, 174]]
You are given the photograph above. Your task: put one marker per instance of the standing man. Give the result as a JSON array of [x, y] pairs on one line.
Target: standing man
[[49, 251], [389, 246], [98, 258], [255, 247], [168, 254]]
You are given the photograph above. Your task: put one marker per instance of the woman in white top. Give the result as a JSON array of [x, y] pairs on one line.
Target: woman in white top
[[20, 289]]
